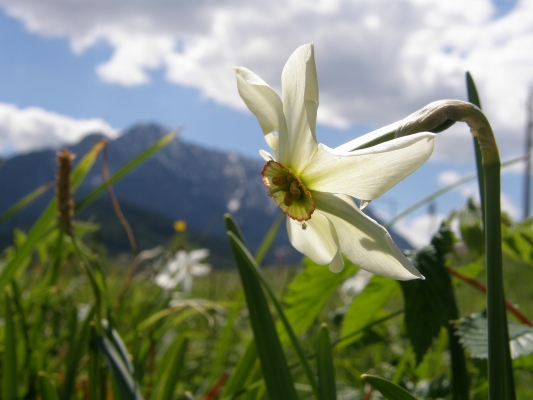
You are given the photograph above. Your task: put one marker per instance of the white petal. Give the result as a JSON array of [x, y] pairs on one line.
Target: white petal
[[300, 102], [200, 269], [368, 173], [266, 104], [197, 255], [316, 241], [265, 155], [164, 281], [362, 240], [337, 264]]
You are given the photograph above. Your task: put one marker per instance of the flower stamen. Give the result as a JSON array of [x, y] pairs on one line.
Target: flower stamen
[[288, 191]]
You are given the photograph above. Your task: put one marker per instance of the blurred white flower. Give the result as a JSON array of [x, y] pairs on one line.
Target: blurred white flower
[[314, 184], [355, 285], [181, 269]]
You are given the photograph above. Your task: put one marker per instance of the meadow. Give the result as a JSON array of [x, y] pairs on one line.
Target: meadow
[[77, 324]]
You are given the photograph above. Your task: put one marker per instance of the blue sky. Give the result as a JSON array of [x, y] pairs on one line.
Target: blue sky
[[112, 67]]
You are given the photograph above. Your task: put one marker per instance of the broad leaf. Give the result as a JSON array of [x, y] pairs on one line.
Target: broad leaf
[[365, 306], [308, 292], [473, 331]]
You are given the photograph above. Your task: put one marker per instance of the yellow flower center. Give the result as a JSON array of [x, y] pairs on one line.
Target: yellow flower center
[[288, 191]]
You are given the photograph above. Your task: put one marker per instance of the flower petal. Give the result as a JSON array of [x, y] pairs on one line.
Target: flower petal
[[200, 269], [265, 155], [300, 102], [316, 240], [368, 173], [197, 255], [266, 104], [362, 240]]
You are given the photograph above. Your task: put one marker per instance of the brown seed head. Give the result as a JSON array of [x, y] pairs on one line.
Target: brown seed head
[[64, 190]]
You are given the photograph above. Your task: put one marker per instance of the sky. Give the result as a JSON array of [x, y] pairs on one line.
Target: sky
[[68, 68]]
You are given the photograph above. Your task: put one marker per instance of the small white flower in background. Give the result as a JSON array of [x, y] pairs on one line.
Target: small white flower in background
[[181, 269], [355, 285], [314, 184]]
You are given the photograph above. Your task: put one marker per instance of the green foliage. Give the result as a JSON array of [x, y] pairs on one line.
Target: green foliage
[[473, 331], [325, 368], [9, 367], [388, 389], [73, 329], [365, 308], [429, 303], [302, 305], [273, 363]]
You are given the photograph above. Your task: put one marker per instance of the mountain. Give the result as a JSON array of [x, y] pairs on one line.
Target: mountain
[[182, 181]]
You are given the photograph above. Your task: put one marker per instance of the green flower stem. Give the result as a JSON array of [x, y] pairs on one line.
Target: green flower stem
[[436, 114]]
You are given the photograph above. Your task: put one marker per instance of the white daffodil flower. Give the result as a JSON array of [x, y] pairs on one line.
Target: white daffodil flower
[[181, 269], [314, 184]]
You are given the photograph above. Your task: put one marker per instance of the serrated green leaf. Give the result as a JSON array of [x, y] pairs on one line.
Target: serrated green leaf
[[325, 369], [365, 306], [473, 331], [302, 304], [389, 390], [429, 303]]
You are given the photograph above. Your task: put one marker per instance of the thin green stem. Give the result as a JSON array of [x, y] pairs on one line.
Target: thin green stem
[[497, 319]]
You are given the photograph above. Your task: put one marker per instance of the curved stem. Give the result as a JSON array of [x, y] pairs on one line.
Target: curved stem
[[437, 114]]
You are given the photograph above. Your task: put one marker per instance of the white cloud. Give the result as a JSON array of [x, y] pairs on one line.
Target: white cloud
[[419, 230], [470, 190], [377, 61], [24, 130]]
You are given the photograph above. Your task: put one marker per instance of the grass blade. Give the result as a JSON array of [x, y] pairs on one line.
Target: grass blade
[[389, 390], [473, 98], [129, 389], [326, 370], [126, 169], [254, 269], [268, 239], [24, 202], [9, 367], [238, 377], [273, 363], [173, 370], [46, 388], [77, 348]]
